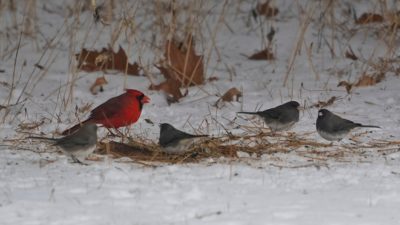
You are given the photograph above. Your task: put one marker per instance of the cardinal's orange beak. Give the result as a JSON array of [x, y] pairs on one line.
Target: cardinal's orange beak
[[145, 99]]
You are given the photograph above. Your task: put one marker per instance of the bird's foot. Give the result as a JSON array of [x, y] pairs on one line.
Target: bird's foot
[[117, 134], [111, 133], [76, 160]]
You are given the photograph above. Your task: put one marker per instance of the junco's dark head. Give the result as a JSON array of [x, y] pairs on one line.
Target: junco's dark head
[[294, 104], [322, 113], [166, 127]]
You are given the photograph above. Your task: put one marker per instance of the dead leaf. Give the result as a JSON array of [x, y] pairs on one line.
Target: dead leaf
[[166, 72], [106, 59], [366, 18], [171, 88], [147, 120], [367, 80], [363, 81], [265, 54], [232, 94], [322, 104], [211, 79], [266, 10], [98, 85], [350, 54], [181, 68], [345, 84], [182, 64]]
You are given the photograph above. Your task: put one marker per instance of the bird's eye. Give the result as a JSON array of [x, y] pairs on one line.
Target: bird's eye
[[320, 114]]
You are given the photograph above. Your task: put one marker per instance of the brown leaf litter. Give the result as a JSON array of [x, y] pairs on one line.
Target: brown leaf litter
[[323, 104], [255, 144], [233, 94], [106, 59], [171, 88], [265, 54], [363, 81], [181, 67], [367, 18], [266, 9], [98, 85]]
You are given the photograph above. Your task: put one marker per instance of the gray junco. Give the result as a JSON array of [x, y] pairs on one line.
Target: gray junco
[[333, 128], [280, 118], [77, 145], [175, 141]]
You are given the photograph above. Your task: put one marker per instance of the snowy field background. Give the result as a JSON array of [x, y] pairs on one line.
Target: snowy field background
[[39, 186]]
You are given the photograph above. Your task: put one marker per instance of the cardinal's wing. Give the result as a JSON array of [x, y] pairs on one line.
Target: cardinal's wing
[[109, 108]]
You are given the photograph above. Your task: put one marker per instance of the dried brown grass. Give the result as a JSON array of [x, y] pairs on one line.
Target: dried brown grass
[[278, 147]]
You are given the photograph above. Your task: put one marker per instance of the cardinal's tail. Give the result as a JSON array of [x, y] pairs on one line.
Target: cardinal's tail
[[74, 128]]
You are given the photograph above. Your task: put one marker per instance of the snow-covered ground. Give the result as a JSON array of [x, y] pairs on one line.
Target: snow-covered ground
[[39, 185], [236, 193]]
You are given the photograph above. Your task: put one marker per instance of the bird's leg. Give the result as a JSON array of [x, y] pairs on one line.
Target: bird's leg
[[76, 160], [111, 133], [119, 132]]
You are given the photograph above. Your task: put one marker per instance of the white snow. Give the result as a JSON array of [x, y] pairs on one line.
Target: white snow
[[40, 186]]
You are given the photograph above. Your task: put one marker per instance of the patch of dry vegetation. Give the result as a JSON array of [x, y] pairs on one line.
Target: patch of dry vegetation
[[253, 146], [182, 43]]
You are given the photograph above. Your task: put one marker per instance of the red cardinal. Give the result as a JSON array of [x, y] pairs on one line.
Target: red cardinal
[[119, 111]]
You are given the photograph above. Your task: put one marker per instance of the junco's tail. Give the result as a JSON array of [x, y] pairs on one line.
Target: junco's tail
[[370, 126], [199, 136], [74, 128], [43, 138], [248, 112]]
